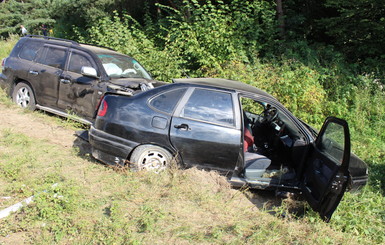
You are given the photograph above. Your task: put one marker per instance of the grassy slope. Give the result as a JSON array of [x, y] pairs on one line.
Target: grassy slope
[[96, 204]]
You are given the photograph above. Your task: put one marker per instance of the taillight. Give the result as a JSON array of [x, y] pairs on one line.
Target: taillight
[[103, 108], [3, 63]]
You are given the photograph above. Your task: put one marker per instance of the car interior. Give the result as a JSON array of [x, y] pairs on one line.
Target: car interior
[[273, 145]]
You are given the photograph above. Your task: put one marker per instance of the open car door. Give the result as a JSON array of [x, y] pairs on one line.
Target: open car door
[[327, 169]]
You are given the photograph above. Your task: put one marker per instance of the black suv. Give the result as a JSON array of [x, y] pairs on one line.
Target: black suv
[[65, 77]]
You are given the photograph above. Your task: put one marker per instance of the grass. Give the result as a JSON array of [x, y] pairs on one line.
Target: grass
[[7, 45]]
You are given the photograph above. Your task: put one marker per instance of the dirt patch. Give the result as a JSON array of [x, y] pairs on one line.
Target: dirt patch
[[15, 238], [35, 127]]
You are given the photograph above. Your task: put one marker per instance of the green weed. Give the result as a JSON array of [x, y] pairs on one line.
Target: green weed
[[7, 46], [4, 99]]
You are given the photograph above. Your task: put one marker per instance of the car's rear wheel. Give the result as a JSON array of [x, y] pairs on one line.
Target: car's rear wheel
[[23, 96], [151, 158]]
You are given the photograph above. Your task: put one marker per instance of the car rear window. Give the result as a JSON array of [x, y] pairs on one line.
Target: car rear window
[[29, 50], [55, 57], [167, 101]]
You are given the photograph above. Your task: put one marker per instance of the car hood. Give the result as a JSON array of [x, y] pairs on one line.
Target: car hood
[[357, 167], [132, 83], [130, 86]]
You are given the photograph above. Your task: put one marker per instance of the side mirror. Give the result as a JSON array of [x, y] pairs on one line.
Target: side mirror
[[89, 71]]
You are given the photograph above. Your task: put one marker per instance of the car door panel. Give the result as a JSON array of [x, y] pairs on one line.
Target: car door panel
[[326, 175], [45, 80], [205, 130], [318, 177], [208, 145], [79, 93], [46, 72]]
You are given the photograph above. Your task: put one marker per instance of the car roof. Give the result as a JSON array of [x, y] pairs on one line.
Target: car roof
[[224, 83], [74, 44]]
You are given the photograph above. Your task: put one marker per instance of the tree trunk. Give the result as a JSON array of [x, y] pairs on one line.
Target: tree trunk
[[280, 18]]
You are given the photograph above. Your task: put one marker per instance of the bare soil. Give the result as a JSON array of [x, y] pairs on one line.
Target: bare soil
[[35, 127]]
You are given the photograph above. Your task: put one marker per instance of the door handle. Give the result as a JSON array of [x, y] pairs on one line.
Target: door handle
[[182, 126], [33, 73], [65, 81]]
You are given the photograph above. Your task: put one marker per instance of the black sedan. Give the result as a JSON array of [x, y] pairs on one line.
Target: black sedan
[[231, 127]]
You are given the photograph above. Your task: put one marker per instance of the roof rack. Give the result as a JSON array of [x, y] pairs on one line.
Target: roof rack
[[99, 46], [53, 38], [70, 41]]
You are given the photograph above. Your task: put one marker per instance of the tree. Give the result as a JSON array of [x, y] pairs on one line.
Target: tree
[[74, 17], [358, 28], [30, 13]]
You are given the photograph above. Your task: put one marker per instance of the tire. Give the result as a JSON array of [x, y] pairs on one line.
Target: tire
[[150, 158], [23, 96]]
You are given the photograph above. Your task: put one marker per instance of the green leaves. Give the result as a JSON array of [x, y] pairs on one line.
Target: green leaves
[[361, 214], [208, 34]]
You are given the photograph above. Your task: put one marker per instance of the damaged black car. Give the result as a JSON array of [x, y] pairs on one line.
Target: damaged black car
[[231, 127]]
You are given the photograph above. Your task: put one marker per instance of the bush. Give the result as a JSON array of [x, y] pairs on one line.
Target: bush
[[207, 34]]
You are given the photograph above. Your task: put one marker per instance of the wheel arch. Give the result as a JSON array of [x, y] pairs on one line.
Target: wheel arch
[[33, 100], [16, 81]]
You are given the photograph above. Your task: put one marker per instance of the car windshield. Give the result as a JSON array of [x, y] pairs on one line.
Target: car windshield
[[120, 66]]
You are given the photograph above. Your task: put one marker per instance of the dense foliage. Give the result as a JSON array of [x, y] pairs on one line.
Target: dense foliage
[[354, 28], [357, 29]]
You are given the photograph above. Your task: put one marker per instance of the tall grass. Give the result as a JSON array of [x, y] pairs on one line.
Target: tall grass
[[7, 45]]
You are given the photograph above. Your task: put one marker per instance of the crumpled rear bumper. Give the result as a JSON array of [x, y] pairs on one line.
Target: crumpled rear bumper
[[109, 148]]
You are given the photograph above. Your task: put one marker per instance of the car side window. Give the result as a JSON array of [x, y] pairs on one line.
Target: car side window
[[29, 51], [211, 106], [77, 61], [54, 57], [167, 101]]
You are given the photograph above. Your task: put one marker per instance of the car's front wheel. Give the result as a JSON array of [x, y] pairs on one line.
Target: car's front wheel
[[151, 158], [23, 96]]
